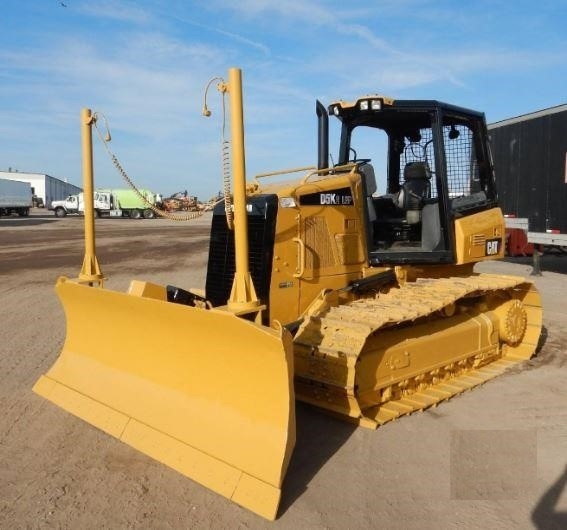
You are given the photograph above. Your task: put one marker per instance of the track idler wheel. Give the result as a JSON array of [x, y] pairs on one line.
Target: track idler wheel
[[513, 321]]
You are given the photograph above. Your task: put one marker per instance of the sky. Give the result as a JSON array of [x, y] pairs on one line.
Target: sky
[[144, 66]]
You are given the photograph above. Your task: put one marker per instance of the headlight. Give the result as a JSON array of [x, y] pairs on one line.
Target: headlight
[[375, 104], [363, 105], [287, 202]]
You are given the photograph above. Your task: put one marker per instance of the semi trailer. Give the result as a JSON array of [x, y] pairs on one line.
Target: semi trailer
[[15, 197], [530, 163]]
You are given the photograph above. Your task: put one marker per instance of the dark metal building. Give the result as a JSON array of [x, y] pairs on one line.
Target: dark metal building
[[530, 161]]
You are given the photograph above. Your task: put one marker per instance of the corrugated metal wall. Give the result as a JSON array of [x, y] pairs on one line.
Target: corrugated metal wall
[[530, 163]]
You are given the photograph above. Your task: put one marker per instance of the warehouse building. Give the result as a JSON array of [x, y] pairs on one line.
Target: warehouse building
[[43, 186]]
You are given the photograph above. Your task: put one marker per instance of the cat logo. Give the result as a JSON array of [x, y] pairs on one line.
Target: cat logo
[[492, 247]]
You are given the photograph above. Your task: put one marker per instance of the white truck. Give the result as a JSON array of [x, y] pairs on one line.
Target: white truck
[[15, 197], [108, 203], [74, 204]]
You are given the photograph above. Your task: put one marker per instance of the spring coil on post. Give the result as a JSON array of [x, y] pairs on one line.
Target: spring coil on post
[[226, 184]]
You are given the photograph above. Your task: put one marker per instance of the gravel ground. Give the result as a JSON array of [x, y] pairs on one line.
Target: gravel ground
[[494, 457]]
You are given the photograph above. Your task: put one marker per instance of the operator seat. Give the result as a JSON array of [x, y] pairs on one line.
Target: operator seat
[[415, 188], [367, 172], [369, 178]]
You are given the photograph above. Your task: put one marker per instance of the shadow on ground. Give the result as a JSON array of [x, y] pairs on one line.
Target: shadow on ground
[[545, 515], [26, 221], [319, 437]]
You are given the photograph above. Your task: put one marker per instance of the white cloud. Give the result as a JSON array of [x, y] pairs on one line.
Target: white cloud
[[115, 10], [145, 65], [151, 90]]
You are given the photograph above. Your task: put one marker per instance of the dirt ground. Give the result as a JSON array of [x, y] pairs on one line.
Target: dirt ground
[[494, 457]]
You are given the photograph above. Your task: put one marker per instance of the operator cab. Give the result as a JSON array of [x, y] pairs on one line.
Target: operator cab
[[435, 168]]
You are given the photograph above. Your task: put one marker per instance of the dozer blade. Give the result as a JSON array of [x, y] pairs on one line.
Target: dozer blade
[[202, 391]]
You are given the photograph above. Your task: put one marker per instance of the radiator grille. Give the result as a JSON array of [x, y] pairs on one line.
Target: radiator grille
[[221, 264]]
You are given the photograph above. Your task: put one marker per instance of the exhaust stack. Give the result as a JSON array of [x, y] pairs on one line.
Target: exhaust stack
[[322, 136]]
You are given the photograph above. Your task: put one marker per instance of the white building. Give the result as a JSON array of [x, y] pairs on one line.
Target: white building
[[44, 186]]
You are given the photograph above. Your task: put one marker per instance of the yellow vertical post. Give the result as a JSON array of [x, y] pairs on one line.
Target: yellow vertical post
[[90, 272], [243, 295]]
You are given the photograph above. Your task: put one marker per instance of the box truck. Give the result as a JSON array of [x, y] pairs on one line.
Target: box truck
[[15, 197]]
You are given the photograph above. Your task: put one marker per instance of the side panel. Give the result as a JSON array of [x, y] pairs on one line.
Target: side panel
[[320, 243], [333, 232], [480, 236], [284, 287]]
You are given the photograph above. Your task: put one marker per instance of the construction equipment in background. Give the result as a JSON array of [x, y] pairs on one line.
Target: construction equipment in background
[[181, 202], [363, 304]]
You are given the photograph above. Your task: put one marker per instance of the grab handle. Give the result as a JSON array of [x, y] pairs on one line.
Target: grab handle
[[301, 265]]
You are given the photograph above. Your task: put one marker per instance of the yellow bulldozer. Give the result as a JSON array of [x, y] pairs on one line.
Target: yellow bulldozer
[[319, 287]]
